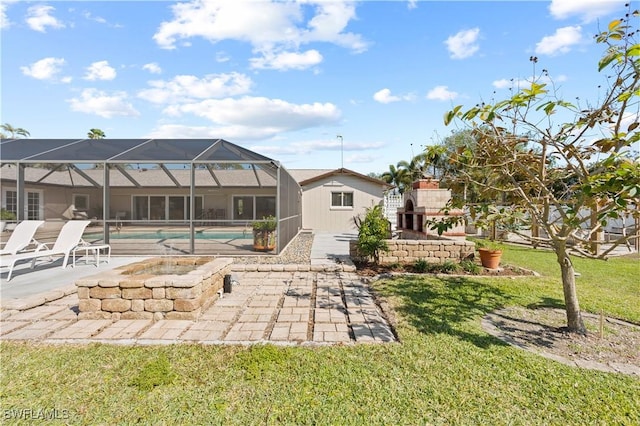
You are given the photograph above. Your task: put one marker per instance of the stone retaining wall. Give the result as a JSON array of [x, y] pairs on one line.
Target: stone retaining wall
[[119, 294], [432, 251]]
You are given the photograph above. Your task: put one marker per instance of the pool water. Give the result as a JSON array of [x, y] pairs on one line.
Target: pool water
[[177, 235]]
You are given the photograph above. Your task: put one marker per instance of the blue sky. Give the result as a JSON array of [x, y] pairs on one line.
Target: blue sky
[[286, 78]]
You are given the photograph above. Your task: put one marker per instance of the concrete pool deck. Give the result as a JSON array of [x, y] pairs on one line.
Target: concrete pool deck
[[323, 302]]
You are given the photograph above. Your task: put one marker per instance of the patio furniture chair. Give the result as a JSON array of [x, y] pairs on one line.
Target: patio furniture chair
[[69, 237], [21, 237]]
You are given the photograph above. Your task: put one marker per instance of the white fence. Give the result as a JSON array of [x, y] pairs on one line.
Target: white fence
[[391, 204]]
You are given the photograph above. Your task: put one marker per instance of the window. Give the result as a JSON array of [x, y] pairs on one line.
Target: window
[[342, 199], [243, 208], [265, 206], [33, 205], [11, 201], [161, 207], [250, 207], [81, 201]]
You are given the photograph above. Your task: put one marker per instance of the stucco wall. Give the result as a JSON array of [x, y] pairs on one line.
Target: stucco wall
[[317, 213]]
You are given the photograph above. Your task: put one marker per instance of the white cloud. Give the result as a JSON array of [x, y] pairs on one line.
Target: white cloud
[[463, 44], [412, 4], [222, 57], [287, 60], [97, 19], [39, 18], [384, 96], [309, 147], [153, 68], [588, 10], [186, 88], [97, 102], [258, 117], [100, 71], [269, 26], [4, 19], [441, 93], [180, 131], [519, 83], [360, 158], [560, 42], [46, 69]]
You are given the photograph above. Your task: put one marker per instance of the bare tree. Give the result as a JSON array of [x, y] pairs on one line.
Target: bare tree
[[520, 151]]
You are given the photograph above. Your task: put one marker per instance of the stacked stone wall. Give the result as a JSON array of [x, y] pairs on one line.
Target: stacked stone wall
[[432, 251], [119, 294]]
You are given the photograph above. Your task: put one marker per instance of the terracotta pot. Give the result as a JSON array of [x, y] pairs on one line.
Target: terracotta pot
[[490, 259]]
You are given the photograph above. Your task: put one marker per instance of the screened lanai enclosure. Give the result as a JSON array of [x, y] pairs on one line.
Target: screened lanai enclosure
[[151, 196]]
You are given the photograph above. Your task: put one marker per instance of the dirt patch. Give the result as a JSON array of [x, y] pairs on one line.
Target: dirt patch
[[542, 331]]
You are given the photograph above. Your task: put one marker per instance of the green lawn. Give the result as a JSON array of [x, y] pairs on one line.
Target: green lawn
[[446, 370]]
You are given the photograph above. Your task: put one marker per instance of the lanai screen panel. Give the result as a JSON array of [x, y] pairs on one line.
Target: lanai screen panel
[[165, 151], [249, 169], [13, 150], [290, 204], [87, 151], [223, 151]]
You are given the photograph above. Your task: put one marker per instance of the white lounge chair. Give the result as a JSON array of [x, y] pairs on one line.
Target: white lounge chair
[[69, 237], [21, 236]]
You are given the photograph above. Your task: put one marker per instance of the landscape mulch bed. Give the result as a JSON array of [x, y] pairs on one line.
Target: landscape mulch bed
[[369, 269]]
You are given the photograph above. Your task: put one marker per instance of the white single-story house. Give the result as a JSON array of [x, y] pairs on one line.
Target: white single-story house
[[332, 198]]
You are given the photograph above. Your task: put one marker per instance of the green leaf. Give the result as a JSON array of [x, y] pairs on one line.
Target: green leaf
[[606, 60], [450, 115], [634, 50], [621, 202]]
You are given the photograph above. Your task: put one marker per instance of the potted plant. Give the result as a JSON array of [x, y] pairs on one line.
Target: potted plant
[[5, 215], [490, 254], [264, 233]]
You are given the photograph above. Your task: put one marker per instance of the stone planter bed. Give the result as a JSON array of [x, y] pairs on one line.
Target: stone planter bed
[[149, 290], [409, 251]]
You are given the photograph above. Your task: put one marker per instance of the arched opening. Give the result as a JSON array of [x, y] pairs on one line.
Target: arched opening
[[408, 215]]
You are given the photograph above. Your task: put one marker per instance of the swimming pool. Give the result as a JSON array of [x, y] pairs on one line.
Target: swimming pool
[[172, 235]]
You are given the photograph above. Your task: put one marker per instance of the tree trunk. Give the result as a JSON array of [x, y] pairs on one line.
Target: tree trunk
[[574, 319]]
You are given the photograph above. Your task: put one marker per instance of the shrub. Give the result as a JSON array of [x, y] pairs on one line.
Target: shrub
[[268, 223], [421, 266], [7, 215], [447, 267], [470, 266], [372, 232]]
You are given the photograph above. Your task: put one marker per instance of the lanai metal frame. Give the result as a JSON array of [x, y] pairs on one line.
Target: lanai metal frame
[[114, 154]]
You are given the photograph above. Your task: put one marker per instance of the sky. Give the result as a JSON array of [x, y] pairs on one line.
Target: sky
[[312, 84]]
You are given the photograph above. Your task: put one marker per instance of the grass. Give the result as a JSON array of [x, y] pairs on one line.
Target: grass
[[446, 370]]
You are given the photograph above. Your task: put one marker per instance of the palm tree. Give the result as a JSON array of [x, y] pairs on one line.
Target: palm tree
[[414, 169], [13, 131], [434, 155], [96, 134], [394, 176]]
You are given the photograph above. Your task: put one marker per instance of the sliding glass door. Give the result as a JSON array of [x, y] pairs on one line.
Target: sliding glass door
[[252, 207], [163, 207]]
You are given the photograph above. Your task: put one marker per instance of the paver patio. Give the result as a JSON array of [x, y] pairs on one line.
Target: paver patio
[[265, 306]]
